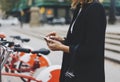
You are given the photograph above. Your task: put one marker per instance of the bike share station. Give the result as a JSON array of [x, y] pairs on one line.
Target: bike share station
[[29, 65]]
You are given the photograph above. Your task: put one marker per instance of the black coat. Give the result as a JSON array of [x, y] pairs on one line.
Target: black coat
[[85, 62]]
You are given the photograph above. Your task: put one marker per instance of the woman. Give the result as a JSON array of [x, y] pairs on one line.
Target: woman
[[83, 58]]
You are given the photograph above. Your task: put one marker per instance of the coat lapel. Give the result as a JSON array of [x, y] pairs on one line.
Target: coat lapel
[[75, 15]]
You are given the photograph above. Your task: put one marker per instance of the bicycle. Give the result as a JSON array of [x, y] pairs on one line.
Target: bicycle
[[25, 57], [49, 72], [42, 61]]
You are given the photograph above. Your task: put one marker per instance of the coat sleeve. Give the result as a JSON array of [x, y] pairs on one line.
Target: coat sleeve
[[94, 32]]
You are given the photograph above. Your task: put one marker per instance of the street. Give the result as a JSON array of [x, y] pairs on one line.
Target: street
[[112, 69]]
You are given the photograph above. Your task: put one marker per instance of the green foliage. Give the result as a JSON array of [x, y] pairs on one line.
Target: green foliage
[[52, 0], [8, 5], [106, 3], [17, 5]]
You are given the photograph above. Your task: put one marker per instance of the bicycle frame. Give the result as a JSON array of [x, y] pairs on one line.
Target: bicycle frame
[[4, 55], [43, 61], [53, 71], [29, 78], [49, 74]]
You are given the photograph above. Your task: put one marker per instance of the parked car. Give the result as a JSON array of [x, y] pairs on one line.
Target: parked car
[[9, 21], [59, 20]]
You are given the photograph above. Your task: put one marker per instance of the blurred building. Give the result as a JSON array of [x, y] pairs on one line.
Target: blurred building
[[107, 3], [53, 9], [48, 9]]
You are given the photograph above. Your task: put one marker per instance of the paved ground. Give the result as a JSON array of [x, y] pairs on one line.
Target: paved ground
[[39, 32]]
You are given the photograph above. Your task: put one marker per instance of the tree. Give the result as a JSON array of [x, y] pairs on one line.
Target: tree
[[8, 5]]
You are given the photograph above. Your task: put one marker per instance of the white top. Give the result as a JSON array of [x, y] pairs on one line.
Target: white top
[[75, 20]]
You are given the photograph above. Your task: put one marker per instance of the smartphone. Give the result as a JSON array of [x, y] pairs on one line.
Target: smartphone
[[42, 37], [45, 38]]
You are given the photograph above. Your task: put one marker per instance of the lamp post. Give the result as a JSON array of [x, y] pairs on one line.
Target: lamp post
[[112, 18]]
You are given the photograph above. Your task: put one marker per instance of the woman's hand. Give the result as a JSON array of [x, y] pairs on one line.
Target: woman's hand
[[55, 36], [55, 45]]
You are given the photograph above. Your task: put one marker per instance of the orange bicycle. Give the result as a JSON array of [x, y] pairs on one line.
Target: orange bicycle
[[22, 58], [48, 74]]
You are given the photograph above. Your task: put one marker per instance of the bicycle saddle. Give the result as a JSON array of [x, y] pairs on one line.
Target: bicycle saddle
[[25, 40]]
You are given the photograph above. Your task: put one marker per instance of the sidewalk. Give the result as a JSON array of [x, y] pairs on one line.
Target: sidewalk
[[113, 28], [113, 42], [110, 28], [41, 31]]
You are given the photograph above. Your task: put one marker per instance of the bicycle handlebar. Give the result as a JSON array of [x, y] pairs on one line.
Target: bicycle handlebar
[[19, 38], [26, 50], [42, 51], [10, 44], [19, 49], [16, 37]]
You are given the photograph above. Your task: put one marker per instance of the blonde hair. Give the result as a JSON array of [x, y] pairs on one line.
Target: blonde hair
[[76, 2]]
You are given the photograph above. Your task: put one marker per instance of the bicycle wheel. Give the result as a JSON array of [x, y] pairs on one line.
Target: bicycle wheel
[[30, 58], [21, 65], [43, 62], [49, 74]]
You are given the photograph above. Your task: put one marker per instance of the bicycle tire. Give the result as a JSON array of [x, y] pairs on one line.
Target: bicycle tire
[[45, 62]]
